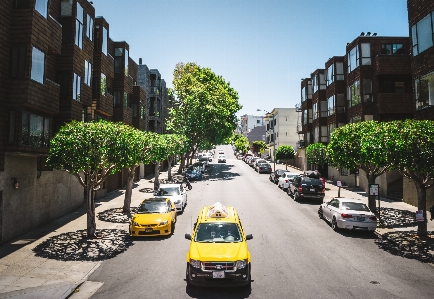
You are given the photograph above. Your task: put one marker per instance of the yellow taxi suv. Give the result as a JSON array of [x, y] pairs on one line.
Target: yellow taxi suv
[[218, 254], [154, 217]]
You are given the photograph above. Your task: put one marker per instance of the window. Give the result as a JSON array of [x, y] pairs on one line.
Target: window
[[422, 35], [87, 72], [367, 90], [118, 60], [89, 27], [344, 171], [318, 82], [36, 130], [125, 100], [391, 86], [339, 71], [38, 65], [41, 6], [142, 112], [79, 26], [354, 94], [104, 40], [330, 74], [117, 99], [315, 111], [390, 49], [324, 134], [424, 91], [126, 63], [340, 103], [258, 121], [331, 105], [18, 60], [76, 87], [323, 106], [305, 117], [103, 84], [353, 58], [366, 53]]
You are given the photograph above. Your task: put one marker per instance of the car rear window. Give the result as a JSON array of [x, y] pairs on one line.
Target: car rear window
[[355, 206], [311, 181]]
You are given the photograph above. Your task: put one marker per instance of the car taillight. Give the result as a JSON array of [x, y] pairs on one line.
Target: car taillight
[[322, 190], [373, 218], [286, 181], [300, 189], [346, 216]]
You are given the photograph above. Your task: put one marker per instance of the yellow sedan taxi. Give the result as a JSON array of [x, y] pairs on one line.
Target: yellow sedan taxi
[[218, 254], [154, 217]]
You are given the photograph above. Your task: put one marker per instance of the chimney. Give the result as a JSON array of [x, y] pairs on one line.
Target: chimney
[[140, 61]]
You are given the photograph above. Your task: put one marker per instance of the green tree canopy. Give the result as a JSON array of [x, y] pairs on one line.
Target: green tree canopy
[[242, 144], [285, 153], [316, 153], [204, 108], [90, 152], [360, 145], [259, 146], [410, 145]]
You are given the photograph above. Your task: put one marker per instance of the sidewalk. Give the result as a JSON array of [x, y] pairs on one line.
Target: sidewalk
[[24, 274]]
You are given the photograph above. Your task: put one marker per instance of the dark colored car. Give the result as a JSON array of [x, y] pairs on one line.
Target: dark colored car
[[306, 187], [274, 176], [193, 173], [263, 167]]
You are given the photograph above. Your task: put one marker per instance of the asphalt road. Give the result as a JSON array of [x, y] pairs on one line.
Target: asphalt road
[[294, 253]]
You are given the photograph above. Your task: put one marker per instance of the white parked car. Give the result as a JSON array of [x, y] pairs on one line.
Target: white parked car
[[285, 179], [221, 159], [175, 192], [348, 213]]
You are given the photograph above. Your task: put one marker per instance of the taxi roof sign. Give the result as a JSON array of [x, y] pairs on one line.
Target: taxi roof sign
[[218, 210]]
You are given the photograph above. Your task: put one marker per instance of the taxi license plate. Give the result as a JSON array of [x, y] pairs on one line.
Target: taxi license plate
[[218, 274], [312, 190], [148, 230]]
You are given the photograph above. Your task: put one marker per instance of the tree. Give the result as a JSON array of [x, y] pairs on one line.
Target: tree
[[286, 153], [89, 151], [175, 145], [242, 144], [360, 145], [136, 151], [204, 109], [259, 146], [316, 153], [410, 145]]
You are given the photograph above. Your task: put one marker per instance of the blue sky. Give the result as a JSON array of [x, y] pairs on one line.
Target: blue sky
[[262, 47]]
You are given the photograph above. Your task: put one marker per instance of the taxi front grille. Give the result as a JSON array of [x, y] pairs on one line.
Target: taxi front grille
[[218, 266], [147, 225]]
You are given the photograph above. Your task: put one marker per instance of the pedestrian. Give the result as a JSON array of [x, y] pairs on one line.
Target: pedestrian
[[431, 210]]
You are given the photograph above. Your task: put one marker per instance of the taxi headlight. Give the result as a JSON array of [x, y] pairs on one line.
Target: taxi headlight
[[241, 264], [164, 222], [195, 263], [133, 223]]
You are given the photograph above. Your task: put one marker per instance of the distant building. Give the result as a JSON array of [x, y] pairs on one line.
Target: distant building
[[249, 122], [281, 129]]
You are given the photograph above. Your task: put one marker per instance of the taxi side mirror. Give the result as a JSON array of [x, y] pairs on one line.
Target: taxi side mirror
[[188, 236], [249, 237]]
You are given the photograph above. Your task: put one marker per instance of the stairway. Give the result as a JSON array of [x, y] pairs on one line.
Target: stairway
[[397, 195]]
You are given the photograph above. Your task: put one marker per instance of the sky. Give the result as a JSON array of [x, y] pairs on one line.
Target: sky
[[263, 48]]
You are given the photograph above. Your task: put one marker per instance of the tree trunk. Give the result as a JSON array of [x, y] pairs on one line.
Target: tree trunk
[[371, 198], [181, 166], [169, 170], [90, 207], [422, 229], [157, 175], [129, 190]]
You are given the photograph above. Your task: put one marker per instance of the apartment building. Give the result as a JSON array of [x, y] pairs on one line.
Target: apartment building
[[421, 20], [57, 64], [281, 124], [249, 122]]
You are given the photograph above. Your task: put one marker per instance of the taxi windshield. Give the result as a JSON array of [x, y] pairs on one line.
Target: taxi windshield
[[218, 233], [150, 207]]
